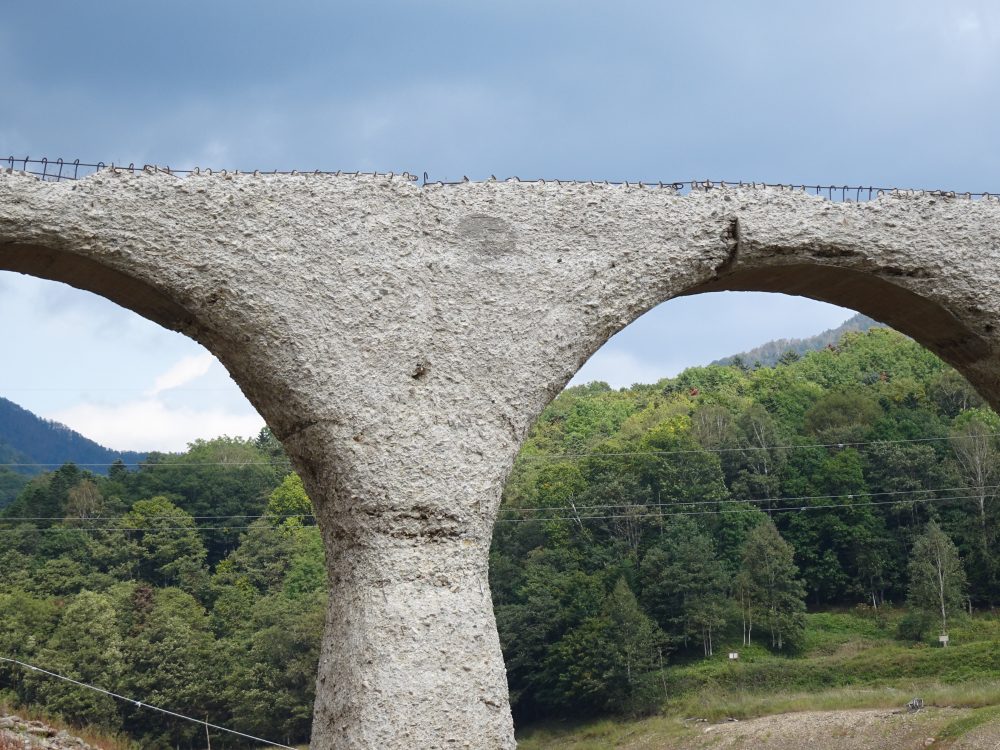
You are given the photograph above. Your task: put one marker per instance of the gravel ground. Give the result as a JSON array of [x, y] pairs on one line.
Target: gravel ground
[[870, 729]]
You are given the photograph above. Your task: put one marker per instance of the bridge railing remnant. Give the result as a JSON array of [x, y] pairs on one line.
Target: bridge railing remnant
[[58, 170]]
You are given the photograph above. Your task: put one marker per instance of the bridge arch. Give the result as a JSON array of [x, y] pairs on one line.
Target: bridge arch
[[84, 273], [923, 319], [401, 340], [920, 318]]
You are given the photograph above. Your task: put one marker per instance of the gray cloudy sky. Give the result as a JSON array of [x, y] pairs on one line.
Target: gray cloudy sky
[[888, 93]]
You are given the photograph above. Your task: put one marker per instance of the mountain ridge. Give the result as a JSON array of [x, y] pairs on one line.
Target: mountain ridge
[[768, 353], [30, 444]]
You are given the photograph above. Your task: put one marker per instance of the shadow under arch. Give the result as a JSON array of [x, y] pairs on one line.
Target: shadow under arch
[[920, 318], [128, 290], [45, 262]]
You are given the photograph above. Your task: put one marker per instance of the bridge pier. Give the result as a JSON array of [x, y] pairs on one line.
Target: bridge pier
[[410, 655]]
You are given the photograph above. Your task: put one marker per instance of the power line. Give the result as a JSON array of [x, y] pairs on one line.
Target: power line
[[155, 517], [149, 465], [785, 499], [545, 456], [536, 456], [153, 529], [142, 704], [107, 389], [736, 511], [521, 509], [568, 513], [684, 451]]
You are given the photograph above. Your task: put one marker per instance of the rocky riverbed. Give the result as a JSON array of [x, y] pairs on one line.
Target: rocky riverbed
[[22, 734]]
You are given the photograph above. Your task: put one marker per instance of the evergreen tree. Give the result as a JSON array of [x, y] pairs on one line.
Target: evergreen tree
[[166, 542], [600, 664], [172, 659]]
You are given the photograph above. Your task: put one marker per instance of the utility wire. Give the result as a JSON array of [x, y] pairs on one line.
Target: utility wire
[[682, 451], [520, 509], [793, 498], [551, 456], [548, 456], [566, 515], [145, 465], [158, 517], [737, 511], [141, 704], [148, 529]]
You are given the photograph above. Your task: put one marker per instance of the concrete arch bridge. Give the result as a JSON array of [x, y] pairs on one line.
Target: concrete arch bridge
[[400, 340]]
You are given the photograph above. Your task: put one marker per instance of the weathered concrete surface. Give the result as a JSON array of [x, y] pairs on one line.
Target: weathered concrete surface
[[400, 340]]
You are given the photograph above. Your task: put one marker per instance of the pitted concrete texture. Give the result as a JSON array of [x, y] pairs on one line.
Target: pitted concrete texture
[[400, 340]]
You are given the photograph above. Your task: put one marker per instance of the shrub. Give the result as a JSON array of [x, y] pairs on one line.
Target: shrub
[[913, 626]]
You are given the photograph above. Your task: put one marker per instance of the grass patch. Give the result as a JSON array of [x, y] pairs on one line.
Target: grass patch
[[600, 735], [841, 650], [846, 661], [963, 726], [658, 731], [716, 705]]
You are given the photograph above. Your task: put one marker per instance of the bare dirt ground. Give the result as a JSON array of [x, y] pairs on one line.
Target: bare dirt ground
[[867, 729]]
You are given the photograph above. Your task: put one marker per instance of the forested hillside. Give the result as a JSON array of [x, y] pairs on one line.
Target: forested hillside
[[768, 355], [641, 528], [196, 582], [35, 444], [662, 519]]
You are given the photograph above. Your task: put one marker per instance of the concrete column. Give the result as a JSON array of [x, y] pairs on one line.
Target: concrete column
[[410, 655]]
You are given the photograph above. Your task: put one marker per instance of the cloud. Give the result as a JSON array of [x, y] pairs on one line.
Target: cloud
[[148, 424], [618, 369], [166, 417], [187, 370]]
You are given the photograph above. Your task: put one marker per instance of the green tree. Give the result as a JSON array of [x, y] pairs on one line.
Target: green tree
[[26, 624], [167, 544], [272, 685], [937, 578], [555, 597], [45, 497], [842, 417], [86, 645], [952, 393], [602, 663], [771, 588], [270, 447], [684, 584], [289, 499], [974, 441], [226, 478], [828, 541], [173, 661], [84, 503]]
